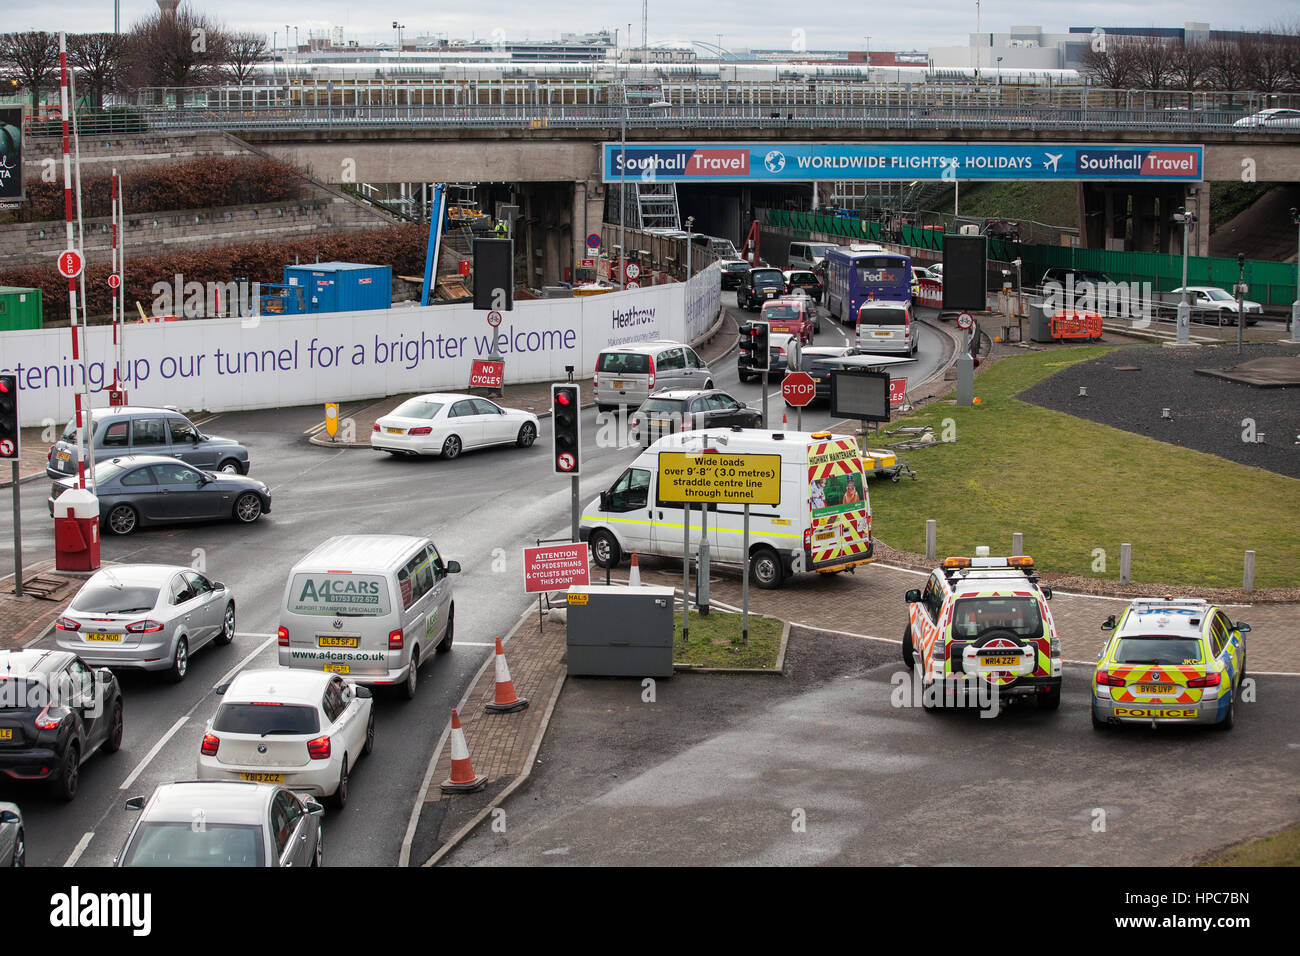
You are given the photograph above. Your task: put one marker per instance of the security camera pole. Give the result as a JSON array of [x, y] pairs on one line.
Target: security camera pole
[[1295, 305], [1184, 307], [1240, 290]]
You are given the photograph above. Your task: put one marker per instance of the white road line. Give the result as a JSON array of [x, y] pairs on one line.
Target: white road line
[[153, 752], [230, 674], [474, 644], [80, 848]]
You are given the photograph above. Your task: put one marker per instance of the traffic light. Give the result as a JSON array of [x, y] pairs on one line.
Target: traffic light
[[566, 434], [9, 417], [759, 336]]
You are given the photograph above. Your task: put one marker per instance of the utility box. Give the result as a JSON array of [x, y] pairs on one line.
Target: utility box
[[619, 631], [20, 309], [342, 286]]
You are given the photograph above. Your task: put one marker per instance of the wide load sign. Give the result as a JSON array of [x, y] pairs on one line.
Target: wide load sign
[[716, 477], [881, 162]]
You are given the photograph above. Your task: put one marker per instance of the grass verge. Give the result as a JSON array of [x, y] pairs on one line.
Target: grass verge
[[1280, 849], [715, 641], [1072, 486]]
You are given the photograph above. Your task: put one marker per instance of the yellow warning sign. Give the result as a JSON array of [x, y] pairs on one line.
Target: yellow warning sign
[[331, 419], [717, 477], [578, 598]]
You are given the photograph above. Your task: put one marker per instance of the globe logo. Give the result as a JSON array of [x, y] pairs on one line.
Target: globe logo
[[774, 161]]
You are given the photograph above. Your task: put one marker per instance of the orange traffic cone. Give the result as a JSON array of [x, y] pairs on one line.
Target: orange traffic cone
[[785, 425], [507, 701], [634, 576], [462, 779]]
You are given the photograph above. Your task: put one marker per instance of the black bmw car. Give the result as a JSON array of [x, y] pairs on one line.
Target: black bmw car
[[138, 490], [55, 711]]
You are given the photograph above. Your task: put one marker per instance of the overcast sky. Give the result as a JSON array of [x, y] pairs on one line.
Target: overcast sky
[[839, 24]]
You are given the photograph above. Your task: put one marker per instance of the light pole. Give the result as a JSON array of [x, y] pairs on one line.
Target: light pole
[[622, 197], [1295, 304], [399, 27], [690, 221], [999, 73], [1240, 292], [1188, 219]]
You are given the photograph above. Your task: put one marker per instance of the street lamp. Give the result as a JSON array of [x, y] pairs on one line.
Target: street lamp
[[1188, 220], [399, 27], [622, 197], [999, 73], [690, 221]]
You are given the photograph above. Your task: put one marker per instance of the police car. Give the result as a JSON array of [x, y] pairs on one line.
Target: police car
[[1169, 662], [984, 618]]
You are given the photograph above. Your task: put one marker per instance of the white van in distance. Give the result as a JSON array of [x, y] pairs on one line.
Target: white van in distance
[[823, 521]]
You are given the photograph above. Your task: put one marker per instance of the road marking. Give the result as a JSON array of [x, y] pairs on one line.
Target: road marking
[[230, 674], [79, 848], [474, 644], [139, 769]]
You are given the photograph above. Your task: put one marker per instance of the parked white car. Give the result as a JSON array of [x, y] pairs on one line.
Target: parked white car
[[148, 617], [303, 729], [1219, 304], [1272, 117], [446, 423]]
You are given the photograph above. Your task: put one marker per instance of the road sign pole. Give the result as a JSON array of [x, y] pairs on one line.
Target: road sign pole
[[762, 382], [574, 508], [744, 586], [686, 572], [18, 533], [702, 568]]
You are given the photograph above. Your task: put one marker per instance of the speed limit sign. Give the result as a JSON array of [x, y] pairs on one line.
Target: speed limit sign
[[965, 321]]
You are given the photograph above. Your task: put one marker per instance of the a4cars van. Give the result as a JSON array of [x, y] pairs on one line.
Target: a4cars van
[[628, 374], [886, 328], [808, 255], [369, 607], [823, 522]]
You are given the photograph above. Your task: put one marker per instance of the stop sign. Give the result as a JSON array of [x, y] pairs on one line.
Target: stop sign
[[70, 263], [798, 389]]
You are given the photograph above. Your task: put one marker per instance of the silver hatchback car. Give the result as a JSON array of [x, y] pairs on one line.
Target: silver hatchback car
[[146, 617]]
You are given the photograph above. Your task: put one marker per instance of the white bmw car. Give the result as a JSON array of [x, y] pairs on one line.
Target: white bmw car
[[445, 423], [302, 729]]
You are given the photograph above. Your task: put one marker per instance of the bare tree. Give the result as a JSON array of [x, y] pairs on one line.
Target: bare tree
[[96, 57], [244, 52], [1110, 66], [31, 58], [175, 49], [1227, 71], [1153, 62], [1190, 66]]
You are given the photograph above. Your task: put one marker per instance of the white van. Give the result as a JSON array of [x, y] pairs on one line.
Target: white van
[[368, 607], [885, 327], [628, 374], [823, 522], [808, 255]]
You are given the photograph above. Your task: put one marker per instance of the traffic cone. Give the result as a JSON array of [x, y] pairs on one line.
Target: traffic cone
[[507, 701], [462, 779], [634, 576], [785, 426]]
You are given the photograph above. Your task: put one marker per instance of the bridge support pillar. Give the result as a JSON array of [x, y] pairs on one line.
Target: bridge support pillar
[[588, 213]]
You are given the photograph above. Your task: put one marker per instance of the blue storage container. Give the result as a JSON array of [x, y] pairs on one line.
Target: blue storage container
[[342, 286]]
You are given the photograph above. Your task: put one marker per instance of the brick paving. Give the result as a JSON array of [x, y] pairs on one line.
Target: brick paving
[[46, 591]]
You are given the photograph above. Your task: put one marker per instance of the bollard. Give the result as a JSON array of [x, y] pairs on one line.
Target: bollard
[[1017, 543], [1125, 562], [1248, 578], [929, 540]]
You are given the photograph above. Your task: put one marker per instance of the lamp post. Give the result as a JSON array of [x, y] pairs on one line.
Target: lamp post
[[622, 197], [690, 221], [1188, 219], [999, 73]]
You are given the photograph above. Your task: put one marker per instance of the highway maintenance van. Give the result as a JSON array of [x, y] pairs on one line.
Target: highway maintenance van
[[822, 523]]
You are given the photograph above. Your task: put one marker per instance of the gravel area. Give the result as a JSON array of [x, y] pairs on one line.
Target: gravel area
[[1207, 412]]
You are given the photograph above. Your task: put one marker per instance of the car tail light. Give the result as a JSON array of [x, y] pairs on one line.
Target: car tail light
[[64, 624], [145, 627], [635, 421], [49, 455], [319, 749], [1109, 679], [282, 636], [687, 422], [422, 430], [210, 744], [395, 640], [375, 427], [651, 383], [267, 703], [1208, 680], [807, 539], [47, 721]]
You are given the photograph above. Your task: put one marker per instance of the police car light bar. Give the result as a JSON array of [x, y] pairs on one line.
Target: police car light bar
[[1018, 561]]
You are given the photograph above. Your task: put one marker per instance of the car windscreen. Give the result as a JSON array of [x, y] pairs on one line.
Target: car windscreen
[[183, 844], [417, 408], [624, 363], [973, 617], [882, 270], [70, 433], [102, 597], [882, 317], [344, 595], [735, 267], [1158, 649], [663, 405], [807, 277], [110, 469], [779, 312], [266, 719], [820, 249], [768, 277], [1218, 295]]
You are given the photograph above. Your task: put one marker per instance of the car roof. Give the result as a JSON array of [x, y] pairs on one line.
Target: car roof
[[645, 346], [222, 801], [130, 411], [883, 304], [287, 684], [828, 351], [1180, 618], [126, 460], [684, 393], [791, 300], [32, 662], [363, 553], [152, 574]]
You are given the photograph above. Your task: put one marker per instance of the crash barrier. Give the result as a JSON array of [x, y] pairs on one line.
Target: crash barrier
[[929, 293], [1075, 324]]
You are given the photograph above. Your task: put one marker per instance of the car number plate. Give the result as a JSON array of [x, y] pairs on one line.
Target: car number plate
[[332, 641], [395, 431], [1155, 688], [1000, 661], [883, 335], [618, 383], [337, 669], [103, 638], [6, 733], [262, 777], [63, 455]]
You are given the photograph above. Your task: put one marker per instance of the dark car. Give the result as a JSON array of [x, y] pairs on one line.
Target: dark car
[[758, 285], [684, 409], [136, 430], [807, 280], [819, 361], [732, 272], [55, 711], [139, 490]]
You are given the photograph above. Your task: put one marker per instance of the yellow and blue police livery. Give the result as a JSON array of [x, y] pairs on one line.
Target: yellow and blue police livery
[[1169, 662]]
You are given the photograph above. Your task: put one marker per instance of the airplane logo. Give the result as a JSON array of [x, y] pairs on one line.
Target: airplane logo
[[1052, 160]]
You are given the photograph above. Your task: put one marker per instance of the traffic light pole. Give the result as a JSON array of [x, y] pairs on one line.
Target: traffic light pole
[[18, 534], [573, 505]]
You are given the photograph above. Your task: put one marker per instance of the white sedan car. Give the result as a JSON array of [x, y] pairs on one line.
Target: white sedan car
[[445, 423], [1271, 117], [303, 729], [1220, 304]]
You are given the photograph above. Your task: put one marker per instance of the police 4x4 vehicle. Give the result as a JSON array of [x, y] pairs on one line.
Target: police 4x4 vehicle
[[1169, 662], [984, 618]]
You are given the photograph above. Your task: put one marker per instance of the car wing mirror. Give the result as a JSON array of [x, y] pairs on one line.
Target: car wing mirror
[[313, 806], [1108, 624], [1047, 593], [135, 803], [221, 689], [1241, 626], [912, 596], [8, 816], [453, 567], [361, 692], [604, 501]]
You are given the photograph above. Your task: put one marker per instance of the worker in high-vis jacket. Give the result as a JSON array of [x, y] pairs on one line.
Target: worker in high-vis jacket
[[501, 229]]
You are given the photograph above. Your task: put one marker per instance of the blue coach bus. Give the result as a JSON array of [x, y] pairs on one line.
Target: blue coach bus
[[857, 273]]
